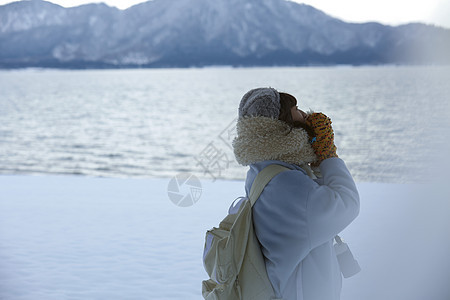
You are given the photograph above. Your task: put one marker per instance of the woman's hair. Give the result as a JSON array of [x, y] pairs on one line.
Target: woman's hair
[[288, 101]]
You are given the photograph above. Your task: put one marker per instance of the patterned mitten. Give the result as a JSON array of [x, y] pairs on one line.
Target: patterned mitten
[[323, 144]]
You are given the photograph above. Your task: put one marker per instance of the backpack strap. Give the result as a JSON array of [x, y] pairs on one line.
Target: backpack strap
[[262, 179]]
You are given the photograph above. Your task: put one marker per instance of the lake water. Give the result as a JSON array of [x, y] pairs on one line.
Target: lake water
[[391, 123]]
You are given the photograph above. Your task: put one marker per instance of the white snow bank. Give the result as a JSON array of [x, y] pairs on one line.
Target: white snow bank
[[95, 238]]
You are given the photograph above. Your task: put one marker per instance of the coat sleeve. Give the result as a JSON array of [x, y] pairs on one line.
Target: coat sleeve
[[332, 205]]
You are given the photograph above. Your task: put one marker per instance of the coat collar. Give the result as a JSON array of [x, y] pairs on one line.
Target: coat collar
[[262, 138]]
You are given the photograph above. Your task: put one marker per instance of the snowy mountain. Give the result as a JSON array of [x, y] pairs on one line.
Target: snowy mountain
[[205, 32]]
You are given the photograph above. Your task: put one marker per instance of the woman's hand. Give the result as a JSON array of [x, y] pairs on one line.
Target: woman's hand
[[323, 144]]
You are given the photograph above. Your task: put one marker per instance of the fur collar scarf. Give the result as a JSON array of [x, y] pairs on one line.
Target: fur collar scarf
[[262, 138]]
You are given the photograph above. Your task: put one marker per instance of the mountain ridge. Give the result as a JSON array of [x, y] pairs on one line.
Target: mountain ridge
[[184, 33]]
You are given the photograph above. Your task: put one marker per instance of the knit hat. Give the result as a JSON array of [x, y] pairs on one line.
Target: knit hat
[[258, 102]]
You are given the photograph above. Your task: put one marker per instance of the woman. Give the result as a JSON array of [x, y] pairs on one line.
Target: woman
[[297, 215]]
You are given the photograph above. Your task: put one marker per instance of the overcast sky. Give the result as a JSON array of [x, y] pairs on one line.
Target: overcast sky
[[392, 12]]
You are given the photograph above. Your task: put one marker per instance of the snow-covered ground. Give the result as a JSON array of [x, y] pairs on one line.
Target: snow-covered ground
[[96, 238]]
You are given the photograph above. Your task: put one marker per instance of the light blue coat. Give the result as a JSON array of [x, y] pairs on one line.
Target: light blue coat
[[296, 219]]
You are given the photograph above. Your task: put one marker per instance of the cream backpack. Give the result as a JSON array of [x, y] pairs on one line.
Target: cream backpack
[[232, 256]]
